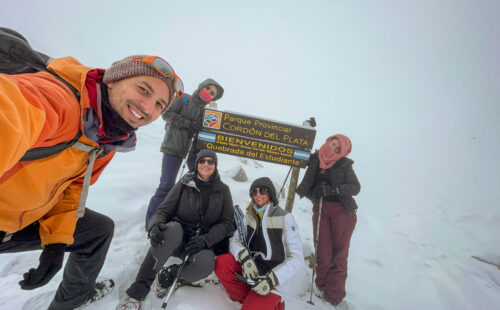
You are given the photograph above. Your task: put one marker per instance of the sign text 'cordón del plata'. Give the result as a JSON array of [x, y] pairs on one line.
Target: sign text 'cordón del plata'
[[259, 139]]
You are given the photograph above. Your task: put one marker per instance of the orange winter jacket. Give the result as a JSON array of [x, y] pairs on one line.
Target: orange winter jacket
[[37, 110]]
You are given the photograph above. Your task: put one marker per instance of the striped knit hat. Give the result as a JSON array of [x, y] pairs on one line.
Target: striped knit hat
[[126, 68]]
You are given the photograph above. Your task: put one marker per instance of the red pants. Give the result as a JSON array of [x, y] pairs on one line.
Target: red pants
[[225, 269], [335, 231]]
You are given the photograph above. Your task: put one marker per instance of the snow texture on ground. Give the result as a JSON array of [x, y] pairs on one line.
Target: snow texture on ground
[[424, 256]]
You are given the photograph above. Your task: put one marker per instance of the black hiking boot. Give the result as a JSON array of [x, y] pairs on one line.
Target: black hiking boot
[[101, 289], [165, 278]]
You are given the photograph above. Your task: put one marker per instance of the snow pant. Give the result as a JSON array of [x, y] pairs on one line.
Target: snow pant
[[199, 265], [169, 168], [335, 231], [92, 238], [225, 269]]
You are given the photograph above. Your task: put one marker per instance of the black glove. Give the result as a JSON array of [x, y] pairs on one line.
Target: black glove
[[156, 234], [195, 245], [196, 125], [265, 284], [323, 190], [180, 122], [51, 261]]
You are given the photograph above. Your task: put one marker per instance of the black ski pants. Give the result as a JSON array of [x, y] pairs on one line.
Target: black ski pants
[[199, 265], [92, 238]]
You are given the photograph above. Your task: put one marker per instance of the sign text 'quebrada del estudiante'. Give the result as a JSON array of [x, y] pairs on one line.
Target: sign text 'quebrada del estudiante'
[[255, 138]]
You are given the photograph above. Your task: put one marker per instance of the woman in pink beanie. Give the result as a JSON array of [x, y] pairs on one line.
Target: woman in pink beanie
[[331, 180]]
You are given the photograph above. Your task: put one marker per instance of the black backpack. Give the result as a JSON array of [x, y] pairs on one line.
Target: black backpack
[[17, 57]]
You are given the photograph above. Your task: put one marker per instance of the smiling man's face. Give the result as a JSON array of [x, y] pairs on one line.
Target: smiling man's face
[[139, 100]]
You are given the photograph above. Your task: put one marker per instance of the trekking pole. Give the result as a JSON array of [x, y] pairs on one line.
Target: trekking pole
[[316, 249], [283, 295], [182, 170], [282, 186], [172, 287], [187, 156]]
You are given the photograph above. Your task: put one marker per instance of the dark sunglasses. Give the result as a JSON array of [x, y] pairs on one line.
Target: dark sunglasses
[[208, 161], [162, 67], [255, 191], [211, 93]]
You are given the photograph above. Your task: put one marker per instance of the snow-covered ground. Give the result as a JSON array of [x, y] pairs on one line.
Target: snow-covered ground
[[414, 256]]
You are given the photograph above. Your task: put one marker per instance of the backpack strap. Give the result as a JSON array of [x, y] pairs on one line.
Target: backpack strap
[[185, 98], [67, 84], [93, 153], [43, 152]]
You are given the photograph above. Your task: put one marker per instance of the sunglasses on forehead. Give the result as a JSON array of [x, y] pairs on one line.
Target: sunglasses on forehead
[[208, 161], [164, 68], [255, 191]]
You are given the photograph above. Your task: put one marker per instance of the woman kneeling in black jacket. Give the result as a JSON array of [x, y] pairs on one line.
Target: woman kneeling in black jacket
[[197, 214]]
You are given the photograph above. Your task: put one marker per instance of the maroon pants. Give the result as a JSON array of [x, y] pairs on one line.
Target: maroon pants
[[225, 269], [335, 231]]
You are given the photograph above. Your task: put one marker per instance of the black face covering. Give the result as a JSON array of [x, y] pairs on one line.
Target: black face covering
[[115, 125]]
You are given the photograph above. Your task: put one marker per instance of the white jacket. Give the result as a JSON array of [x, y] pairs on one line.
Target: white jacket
[[292, 244]]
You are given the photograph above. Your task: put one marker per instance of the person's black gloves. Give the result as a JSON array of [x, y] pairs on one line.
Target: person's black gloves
[[156, 234], [195, 245], [51, 261], [196, 125], [179, 122], [323, 190], [184, 123]]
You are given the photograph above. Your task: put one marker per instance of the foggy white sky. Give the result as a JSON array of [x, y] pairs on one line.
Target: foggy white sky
[[414, 84]]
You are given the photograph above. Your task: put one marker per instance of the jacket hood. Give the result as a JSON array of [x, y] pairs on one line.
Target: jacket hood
[[265, 182], [220, 90]]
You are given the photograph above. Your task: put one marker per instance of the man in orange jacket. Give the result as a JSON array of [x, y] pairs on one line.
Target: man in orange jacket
[[42, 201]]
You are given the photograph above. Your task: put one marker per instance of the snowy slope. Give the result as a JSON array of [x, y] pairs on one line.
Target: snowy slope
[[412, 257]]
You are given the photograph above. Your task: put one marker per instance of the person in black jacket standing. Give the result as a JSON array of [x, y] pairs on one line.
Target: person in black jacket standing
[[330, 178], [195, 216]]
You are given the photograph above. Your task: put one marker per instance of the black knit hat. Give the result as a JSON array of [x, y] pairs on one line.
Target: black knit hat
[[265, 182], [206, 153]]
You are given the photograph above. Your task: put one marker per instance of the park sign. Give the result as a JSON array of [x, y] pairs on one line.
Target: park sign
[[260, 139]]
